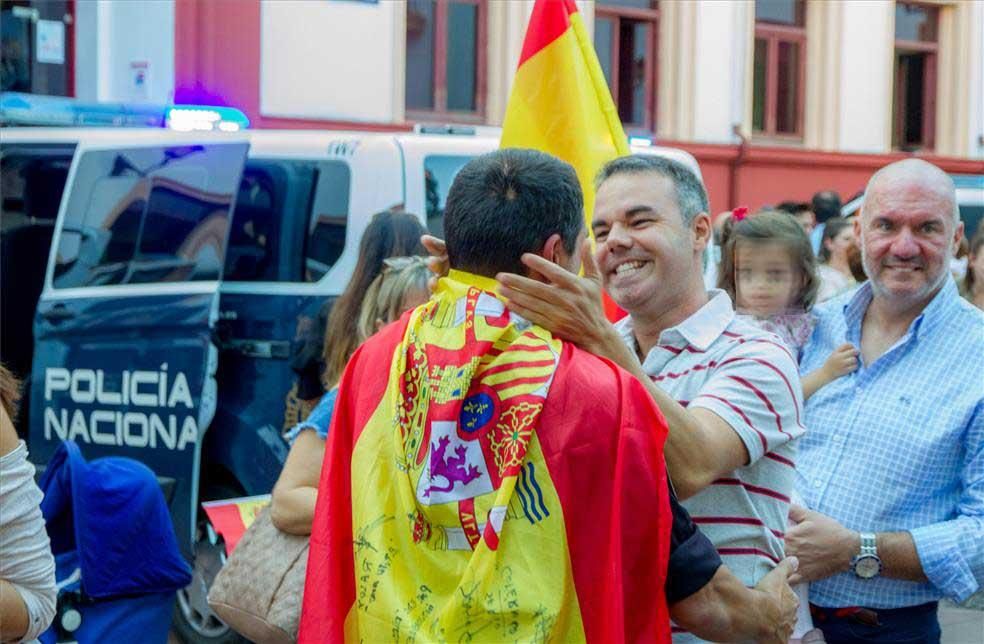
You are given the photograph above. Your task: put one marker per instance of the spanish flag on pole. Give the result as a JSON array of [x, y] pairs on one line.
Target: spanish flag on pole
[[560, 103]]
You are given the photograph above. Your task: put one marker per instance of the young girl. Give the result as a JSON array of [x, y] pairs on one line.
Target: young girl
[[768, 269]]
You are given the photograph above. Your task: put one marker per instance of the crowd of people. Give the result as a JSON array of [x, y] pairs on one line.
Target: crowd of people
[[796, 408], [796, 454]]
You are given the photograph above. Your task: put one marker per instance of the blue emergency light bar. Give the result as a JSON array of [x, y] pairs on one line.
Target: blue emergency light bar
[[38, 110], [189, 118]]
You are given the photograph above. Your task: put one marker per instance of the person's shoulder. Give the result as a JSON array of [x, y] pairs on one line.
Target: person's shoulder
[[585, 378], [967, 320], [583, 368], [380, 345], [745, 341], [594, 394], [830, 309], [968, 312]]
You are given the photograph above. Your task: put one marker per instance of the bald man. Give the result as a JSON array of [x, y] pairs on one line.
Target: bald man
[[892, 464]]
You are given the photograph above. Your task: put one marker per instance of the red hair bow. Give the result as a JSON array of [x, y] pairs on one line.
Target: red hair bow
[[739, 213]]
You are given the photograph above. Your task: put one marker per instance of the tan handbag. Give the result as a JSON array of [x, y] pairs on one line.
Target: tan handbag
[[259, 591]]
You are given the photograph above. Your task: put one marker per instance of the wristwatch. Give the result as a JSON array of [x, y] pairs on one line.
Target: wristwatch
[[866, 564]]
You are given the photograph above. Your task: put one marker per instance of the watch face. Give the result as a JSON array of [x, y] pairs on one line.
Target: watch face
[[867, 566]]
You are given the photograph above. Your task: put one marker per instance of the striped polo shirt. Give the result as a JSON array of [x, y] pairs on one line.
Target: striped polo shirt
[[750, 379]]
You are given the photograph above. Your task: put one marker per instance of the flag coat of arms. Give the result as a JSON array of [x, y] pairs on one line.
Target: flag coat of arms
[[484, 481]]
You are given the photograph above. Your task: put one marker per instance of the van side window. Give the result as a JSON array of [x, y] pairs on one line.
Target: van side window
[[269, 222], [328, 221], [31, 182], [439, 172], [156, 214]]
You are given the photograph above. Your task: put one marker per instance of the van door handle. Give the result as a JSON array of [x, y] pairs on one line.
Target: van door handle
[[58, 313], [268, 349]]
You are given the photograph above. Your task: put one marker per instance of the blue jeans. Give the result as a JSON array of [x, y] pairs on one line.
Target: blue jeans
[[910, 625]]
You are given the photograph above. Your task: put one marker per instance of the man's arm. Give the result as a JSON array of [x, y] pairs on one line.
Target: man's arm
[[701, 446], [726, 610], [826, 548], [709, 601], [949, 554]]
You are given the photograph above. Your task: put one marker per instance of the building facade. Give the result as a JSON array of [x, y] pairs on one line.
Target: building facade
[[775, 98]]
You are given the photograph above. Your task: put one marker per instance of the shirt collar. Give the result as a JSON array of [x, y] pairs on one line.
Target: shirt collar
[[471, 279], [700, 330], [932, 313]]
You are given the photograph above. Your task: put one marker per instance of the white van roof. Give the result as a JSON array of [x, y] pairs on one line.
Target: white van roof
[[319, 142], [307, 143]]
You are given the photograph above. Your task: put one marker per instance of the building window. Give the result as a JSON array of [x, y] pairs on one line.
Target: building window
[[916, 48], [779, 68], [625, 39], [446, 52], [38, 45]]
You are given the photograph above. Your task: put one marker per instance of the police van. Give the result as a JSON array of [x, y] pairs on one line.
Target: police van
[[182, 267]]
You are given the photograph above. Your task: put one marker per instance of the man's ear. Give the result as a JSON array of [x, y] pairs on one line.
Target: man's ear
[[553, 250], [703, 229], [957, 235]]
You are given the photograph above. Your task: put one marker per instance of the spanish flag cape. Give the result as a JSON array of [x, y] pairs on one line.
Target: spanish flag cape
[[484, 481]]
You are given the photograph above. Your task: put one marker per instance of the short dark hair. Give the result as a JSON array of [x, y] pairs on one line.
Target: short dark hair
[[509, 202], [794, 207], [690, 193], [826, 204]]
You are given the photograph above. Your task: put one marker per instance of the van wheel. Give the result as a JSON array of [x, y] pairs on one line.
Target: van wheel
[[193, 621]]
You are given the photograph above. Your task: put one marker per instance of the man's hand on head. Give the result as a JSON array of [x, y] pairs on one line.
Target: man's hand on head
[[567, 305], [438, 260]]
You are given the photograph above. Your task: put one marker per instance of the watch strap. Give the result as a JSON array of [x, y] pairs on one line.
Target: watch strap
[[869, 544]]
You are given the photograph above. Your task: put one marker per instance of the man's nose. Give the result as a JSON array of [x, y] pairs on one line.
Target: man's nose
[[618, 237], [904, 244]]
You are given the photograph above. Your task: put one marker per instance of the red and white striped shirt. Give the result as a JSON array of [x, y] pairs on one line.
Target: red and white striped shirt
[[750, 379]]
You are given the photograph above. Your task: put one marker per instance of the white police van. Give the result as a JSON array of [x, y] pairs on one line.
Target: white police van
[[182, 268]]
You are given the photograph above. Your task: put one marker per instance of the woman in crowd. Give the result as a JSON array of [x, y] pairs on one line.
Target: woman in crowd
[[328, 344], [27, 569], [835, 251], [401, 285], [972, 287]]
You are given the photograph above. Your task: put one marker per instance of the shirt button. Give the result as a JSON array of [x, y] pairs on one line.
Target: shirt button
[[857, 390], [817, 483]]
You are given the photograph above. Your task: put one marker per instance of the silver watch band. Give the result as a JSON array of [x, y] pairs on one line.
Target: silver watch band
[[869, 544]]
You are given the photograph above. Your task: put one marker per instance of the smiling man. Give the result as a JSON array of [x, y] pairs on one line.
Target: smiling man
[[893, 465], [730, 392]]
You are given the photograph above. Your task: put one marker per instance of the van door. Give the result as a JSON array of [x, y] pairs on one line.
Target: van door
[[32, 178], [124, 361]]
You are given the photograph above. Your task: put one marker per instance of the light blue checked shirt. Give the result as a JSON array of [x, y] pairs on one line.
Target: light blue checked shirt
[[899, 445]]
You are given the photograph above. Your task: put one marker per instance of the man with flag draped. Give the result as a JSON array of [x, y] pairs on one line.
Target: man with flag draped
[[472, 487]]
